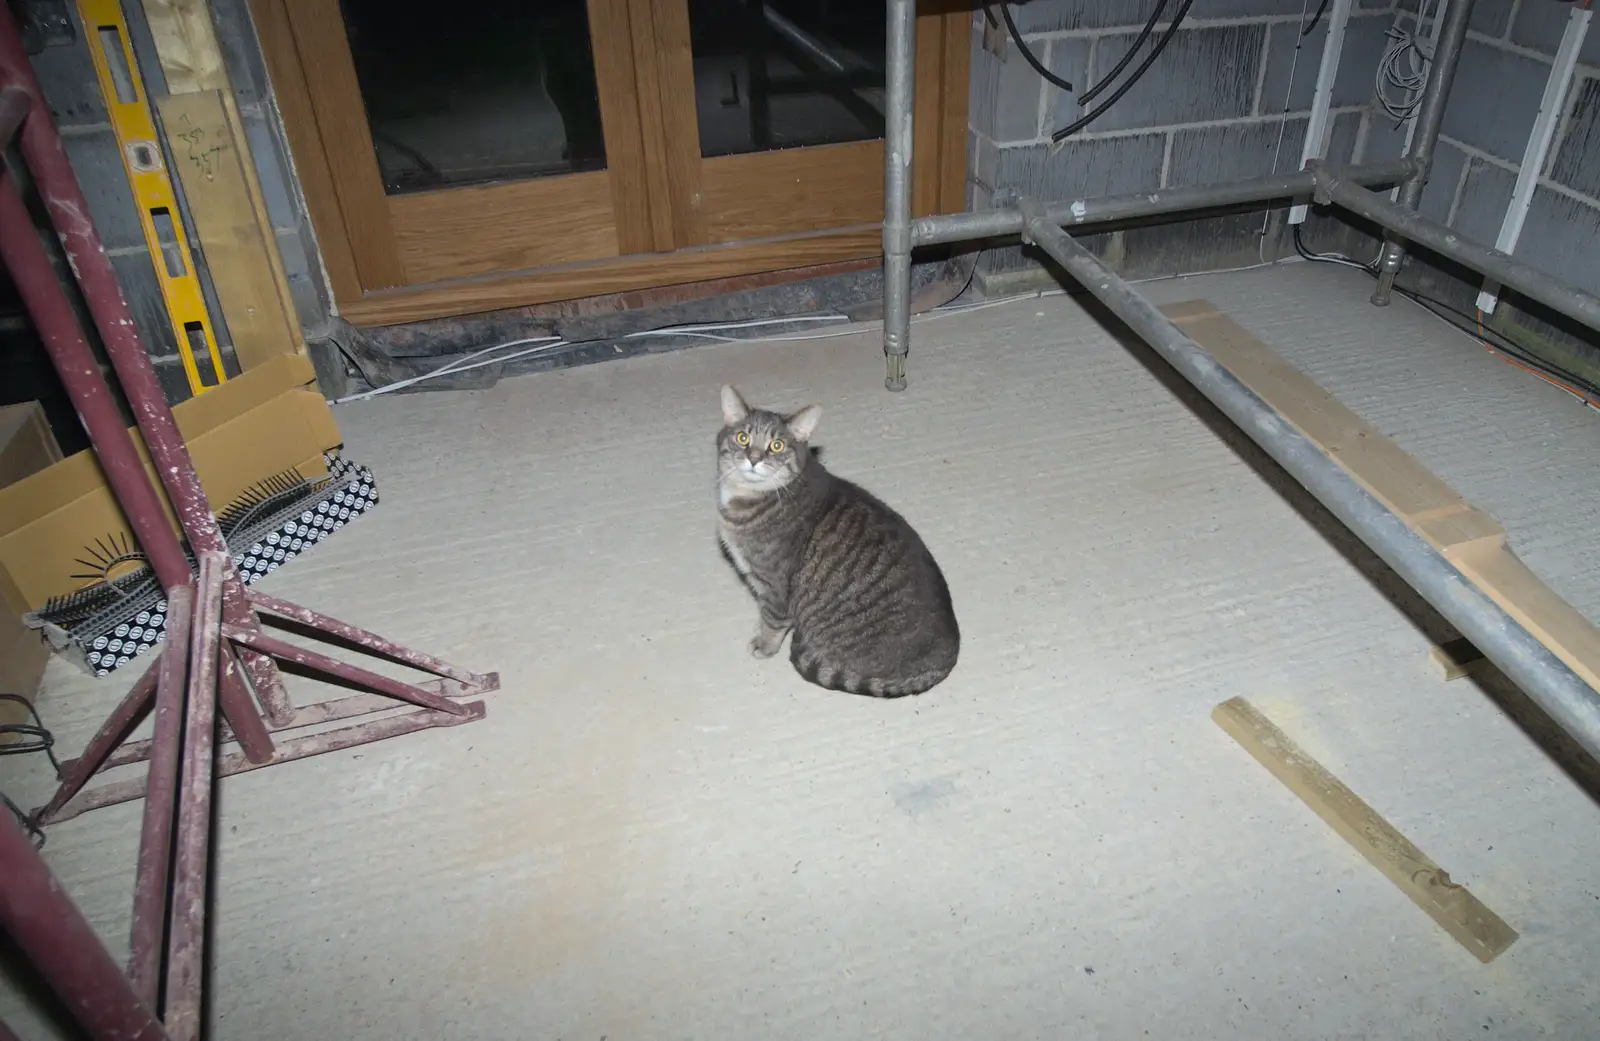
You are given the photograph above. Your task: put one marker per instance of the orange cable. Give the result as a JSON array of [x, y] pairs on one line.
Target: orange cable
[[1576, 392]]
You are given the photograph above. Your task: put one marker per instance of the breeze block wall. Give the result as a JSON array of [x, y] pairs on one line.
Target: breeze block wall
[[1228, 99], [1510, 48]]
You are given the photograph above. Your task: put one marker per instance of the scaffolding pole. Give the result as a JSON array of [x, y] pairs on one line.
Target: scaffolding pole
[[1529, 663], [1568, 700]]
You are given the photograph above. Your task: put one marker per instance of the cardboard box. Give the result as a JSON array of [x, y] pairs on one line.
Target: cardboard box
[[114, 630], [61, 529], [26, 447]]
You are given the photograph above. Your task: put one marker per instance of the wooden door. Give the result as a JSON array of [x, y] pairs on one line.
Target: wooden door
[[526, 151]]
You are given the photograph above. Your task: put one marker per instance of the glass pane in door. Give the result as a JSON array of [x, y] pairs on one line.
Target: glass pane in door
[[772, 74], [476, 91]]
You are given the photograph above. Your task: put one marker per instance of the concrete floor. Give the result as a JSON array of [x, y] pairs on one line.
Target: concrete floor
[[654, 835]]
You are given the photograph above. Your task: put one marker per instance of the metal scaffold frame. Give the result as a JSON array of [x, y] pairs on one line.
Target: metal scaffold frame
[[217, 677], [1563, 695]]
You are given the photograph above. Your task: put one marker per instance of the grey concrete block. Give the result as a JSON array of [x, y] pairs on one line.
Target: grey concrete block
[[1559, 237], [70, 85], [1069, 59], [1577, 163], [1539, 25], [1084, 169], [1495, 99], [983, 156], [1242, 8], [137, 278], [1484, 197], [1016, 105], [1493, 17], [1343, 137], [1040, 16], [1489, 17], [1233, 153], [97, 160], [1443, 181], [1204, 74], [984, 92], [1005, 258], [269, 168], [1364, 43], [1026, 269], [1384, 139], [1182, 247]]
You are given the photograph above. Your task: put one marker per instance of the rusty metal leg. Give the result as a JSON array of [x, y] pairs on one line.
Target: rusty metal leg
[[341, 670], [150, 886], [239, 708], [367, 641], [262, 671], [186, 933], [123, 719], [246, 674], [53, 935]]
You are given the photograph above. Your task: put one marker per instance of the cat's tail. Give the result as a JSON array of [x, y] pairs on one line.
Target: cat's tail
[[812, 669]]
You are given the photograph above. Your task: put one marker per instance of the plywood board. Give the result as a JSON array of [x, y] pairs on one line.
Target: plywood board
[[214, 167]]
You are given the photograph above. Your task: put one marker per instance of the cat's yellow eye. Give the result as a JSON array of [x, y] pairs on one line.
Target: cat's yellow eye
[[776, 446], [741, 439]]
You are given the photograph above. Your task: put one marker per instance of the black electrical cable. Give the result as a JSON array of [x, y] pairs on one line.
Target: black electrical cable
[[42, 741], [1028, 55], [1332, 258], [1127, 84], [1499, 341], [1323, 9], [1467, 323], [1144, 34]]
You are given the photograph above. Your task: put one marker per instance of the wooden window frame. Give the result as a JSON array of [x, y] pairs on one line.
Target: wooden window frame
[[658, 215]]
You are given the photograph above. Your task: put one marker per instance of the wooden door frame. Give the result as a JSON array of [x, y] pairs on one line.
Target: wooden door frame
[[387, 263]]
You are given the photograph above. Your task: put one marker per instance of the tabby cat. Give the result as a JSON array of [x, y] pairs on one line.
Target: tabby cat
[[869, 608]]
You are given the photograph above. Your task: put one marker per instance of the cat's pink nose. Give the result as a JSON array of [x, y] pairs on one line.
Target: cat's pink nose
[[753, 454]]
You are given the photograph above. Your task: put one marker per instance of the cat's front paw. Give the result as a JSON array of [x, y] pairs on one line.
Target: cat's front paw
[[762, 647]]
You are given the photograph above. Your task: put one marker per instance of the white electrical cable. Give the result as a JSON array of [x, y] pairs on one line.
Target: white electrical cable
[[1404, 65], [459, 365], [751, 324], [551, 343]]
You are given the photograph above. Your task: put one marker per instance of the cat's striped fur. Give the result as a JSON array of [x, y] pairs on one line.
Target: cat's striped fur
[[869, 609]]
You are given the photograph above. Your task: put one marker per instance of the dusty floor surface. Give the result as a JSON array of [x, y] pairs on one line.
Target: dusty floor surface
[[654, 835]]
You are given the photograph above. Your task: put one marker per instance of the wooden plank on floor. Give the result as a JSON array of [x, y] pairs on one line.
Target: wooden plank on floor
[[1469, 538], [1456, 910], [1400, 482], [1456, 659]]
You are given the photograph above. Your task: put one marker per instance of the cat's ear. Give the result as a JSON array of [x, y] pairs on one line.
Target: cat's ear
[[804, 423], [733, 407]]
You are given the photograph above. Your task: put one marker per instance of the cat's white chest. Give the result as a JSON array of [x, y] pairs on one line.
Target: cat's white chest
[[733, 550]]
